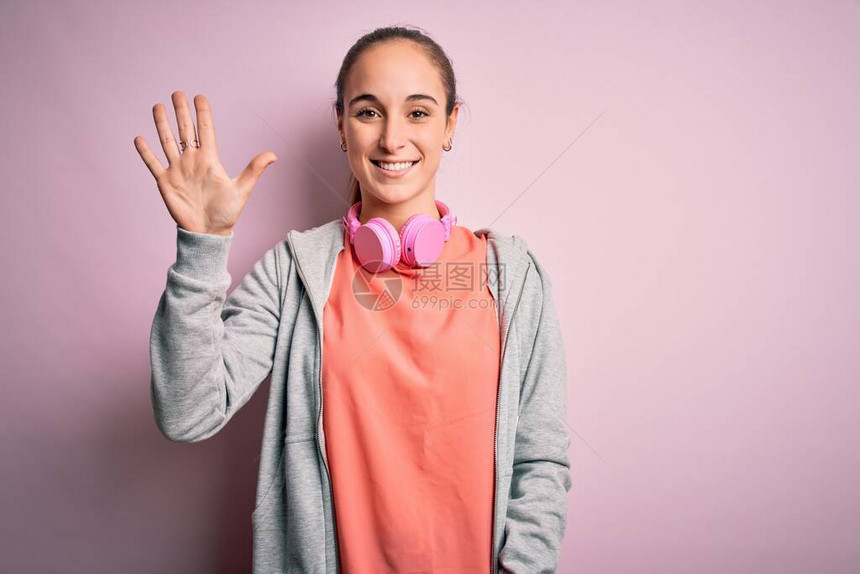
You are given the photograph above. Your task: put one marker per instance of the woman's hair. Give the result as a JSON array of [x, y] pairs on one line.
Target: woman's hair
[[431, 48]]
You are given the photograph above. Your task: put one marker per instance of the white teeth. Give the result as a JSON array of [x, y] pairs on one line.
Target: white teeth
[[395, 166]]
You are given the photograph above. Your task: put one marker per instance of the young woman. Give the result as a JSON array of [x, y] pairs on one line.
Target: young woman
[[435, 349]]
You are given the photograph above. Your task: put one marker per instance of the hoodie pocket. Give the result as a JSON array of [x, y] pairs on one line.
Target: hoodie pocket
[[275, 482]]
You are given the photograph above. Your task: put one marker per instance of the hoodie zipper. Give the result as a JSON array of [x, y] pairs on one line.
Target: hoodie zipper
[[319, 412], [493, 561]]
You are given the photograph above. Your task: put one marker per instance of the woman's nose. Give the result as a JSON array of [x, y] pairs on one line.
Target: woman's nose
[[393, 136]]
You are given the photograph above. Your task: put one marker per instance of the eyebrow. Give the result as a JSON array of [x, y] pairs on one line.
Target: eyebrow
[[374, 100]]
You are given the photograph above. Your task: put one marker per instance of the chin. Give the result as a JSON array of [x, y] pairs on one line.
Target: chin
[[389, 197], [391, 194]]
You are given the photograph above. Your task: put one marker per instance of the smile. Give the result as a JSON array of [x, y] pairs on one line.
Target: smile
[[393, 169]]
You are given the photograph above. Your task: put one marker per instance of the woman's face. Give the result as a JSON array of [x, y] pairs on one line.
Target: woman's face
[[394, 111]]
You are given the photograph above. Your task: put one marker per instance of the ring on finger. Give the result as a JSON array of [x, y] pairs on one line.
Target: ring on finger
[[183, 144]]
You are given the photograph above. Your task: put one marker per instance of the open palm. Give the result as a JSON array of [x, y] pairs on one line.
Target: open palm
[[196, 189]]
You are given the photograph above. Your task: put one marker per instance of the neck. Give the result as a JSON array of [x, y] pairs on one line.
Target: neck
[[398, 213]]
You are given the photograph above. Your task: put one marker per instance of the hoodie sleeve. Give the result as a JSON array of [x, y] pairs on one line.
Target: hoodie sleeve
[[208, 352], [537, 505]]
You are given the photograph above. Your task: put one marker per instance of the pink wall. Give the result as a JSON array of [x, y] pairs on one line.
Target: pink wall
[[697, 234]]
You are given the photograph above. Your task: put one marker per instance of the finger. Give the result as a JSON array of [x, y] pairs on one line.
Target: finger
[[205, 126], [165, 134], [187, 133], [255, 168], [149, 158]]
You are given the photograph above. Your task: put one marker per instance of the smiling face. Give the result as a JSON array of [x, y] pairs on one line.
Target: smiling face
[[394, 111]]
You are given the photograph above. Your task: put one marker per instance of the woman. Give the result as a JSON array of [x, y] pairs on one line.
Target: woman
[[443, 446]]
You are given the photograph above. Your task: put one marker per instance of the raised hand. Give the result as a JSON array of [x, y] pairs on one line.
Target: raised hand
[[196, 189]]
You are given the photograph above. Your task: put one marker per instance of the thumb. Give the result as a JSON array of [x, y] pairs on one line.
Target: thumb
[[255, 168]]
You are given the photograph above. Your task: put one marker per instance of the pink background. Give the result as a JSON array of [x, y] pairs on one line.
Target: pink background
[[681, 169]]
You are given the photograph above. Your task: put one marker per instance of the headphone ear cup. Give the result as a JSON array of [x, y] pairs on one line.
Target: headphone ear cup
[[423, 238], [407, 238], [377, 245]]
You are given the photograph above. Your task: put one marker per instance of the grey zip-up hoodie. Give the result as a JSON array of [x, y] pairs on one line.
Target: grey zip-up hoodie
[[210, 352]]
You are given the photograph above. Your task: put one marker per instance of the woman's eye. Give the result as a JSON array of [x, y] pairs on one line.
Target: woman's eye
[[366, 112]]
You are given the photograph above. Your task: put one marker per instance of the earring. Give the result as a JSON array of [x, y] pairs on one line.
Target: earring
[[343, 145], [450, 145]]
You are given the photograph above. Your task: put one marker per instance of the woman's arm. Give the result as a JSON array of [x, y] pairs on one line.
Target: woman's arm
[[209, 354], [537, 506]]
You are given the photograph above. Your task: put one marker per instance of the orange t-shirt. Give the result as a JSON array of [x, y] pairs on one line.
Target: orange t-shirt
[[410, 373]]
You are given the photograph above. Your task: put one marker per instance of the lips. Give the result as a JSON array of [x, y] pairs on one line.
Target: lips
[[378, 162], [394, 173]]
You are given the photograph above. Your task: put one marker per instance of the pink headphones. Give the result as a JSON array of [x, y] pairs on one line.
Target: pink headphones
[[419, 243]]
